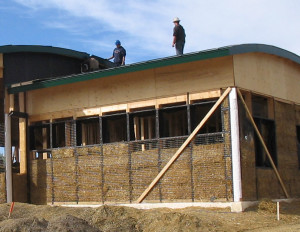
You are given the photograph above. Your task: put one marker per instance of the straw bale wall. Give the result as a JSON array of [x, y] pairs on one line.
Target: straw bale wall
[[286, 139], [257, 182], [41, 181], [89, 174], [267, 184], [176, 183], [247, 150], [64, 175], [209, 166], [2, 188], [116, 172], [144, 167]]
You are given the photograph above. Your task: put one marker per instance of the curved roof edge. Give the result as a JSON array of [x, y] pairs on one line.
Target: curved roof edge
[[166, 61], [269, 49], [43, 49]]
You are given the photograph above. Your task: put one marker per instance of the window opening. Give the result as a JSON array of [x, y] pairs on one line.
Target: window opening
[[39, 137], [266, 128], [39, 140], [142, 127], [114, 128], [173, 121], [211, 132], [199, 111], [87, 131], [58, 134], [63, 133]]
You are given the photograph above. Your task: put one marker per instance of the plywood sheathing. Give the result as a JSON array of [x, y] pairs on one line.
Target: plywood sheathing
[[268, 75], [149, 84], [129, 106]]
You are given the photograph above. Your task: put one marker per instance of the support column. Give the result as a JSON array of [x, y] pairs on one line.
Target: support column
[[235, 146], [22, 136], [8, 158]]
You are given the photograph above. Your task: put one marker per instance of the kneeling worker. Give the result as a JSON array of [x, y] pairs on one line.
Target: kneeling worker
[[119, 54]]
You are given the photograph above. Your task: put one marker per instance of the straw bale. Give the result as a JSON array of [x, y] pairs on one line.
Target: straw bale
[[209, 172], [226, 119], [40, 181], [286, 135], [267, 184], [144, 168], [62, 153], [248, 169], [225, 103], [116, 172], [176, 183], [95, 150], [82, 151], [2, 188], [89, 178], [64, 183]]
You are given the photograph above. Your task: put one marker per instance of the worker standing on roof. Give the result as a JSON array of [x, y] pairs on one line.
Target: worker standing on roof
[[178, 36], [119, 54]]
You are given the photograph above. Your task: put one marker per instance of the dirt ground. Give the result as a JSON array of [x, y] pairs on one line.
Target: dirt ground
[[26, 217]]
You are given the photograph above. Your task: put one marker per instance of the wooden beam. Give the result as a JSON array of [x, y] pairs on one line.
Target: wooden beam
[[204, 95], [263, 144], [183, 146], [22, 135], [143, 132]]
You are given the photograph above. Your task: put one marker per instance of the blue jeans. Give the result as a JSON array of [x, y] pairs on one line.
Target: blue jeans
[[179, 47]]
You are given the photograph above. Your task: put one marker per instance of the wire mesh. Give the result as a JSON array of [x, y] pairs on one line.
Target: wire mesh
[[120, 172]]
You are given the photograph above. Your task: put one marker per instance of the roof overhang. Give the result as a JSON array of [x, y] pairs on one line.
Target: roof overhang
[[173, 60]]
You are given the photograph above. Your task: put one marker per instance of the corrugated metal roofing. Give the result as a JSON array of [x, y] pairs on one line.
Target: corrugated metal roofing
[[173, 60]]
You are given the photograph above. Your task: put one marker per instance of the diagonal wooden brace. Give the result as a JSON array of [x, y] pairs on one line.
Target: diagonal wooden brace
[[263, 144], [183, 146]]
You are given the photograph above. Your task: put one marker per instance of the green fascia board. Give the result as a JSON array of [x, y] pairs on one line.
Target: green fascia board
[[120, 70]]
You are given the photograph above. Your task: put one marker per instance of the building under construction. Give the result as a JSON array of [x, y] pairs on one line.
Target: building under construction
[[220, 125]]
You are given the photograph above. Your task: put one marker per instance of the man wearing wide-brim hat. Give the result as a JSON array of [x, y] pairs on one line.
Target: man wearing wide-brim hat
[[178, 37]]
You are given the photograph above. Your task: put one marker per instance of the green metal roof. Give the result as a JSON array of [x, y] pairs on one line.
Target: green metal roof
[[173, 60], [43, 49]]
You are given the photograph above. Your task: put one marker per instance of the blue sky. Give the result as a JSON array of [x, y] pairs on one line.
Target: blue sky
[[145, 27]]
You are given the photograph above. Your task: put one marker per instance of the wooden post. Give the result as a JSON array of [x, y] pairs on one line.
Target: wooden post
[[136, 128], [263, 144], [22, 136], [143, 132], [8, 162], [183, 146]]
